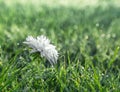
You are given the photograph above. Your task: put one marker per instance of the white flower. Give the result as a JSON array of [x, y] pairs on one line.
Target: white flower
[[42, 44]]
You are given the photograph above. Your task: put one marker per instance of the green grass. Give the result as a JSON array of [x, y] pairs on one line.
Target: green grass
[[87, 40]]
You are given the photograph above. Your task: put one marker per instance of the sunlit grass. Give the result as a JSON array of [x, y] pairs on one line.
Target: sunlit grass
[[64, 3]]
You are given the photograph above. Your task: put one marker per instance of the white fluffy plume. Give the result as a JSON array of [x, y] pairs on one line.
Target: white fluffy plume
[[42, 44]]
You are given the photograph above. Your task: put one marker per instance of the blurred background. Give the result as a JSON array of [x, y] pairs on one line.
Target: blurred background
[[64, 21]]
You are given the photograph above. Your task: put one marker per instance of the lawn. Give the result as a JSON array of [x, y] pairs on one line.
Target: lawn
[[86, 36]]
